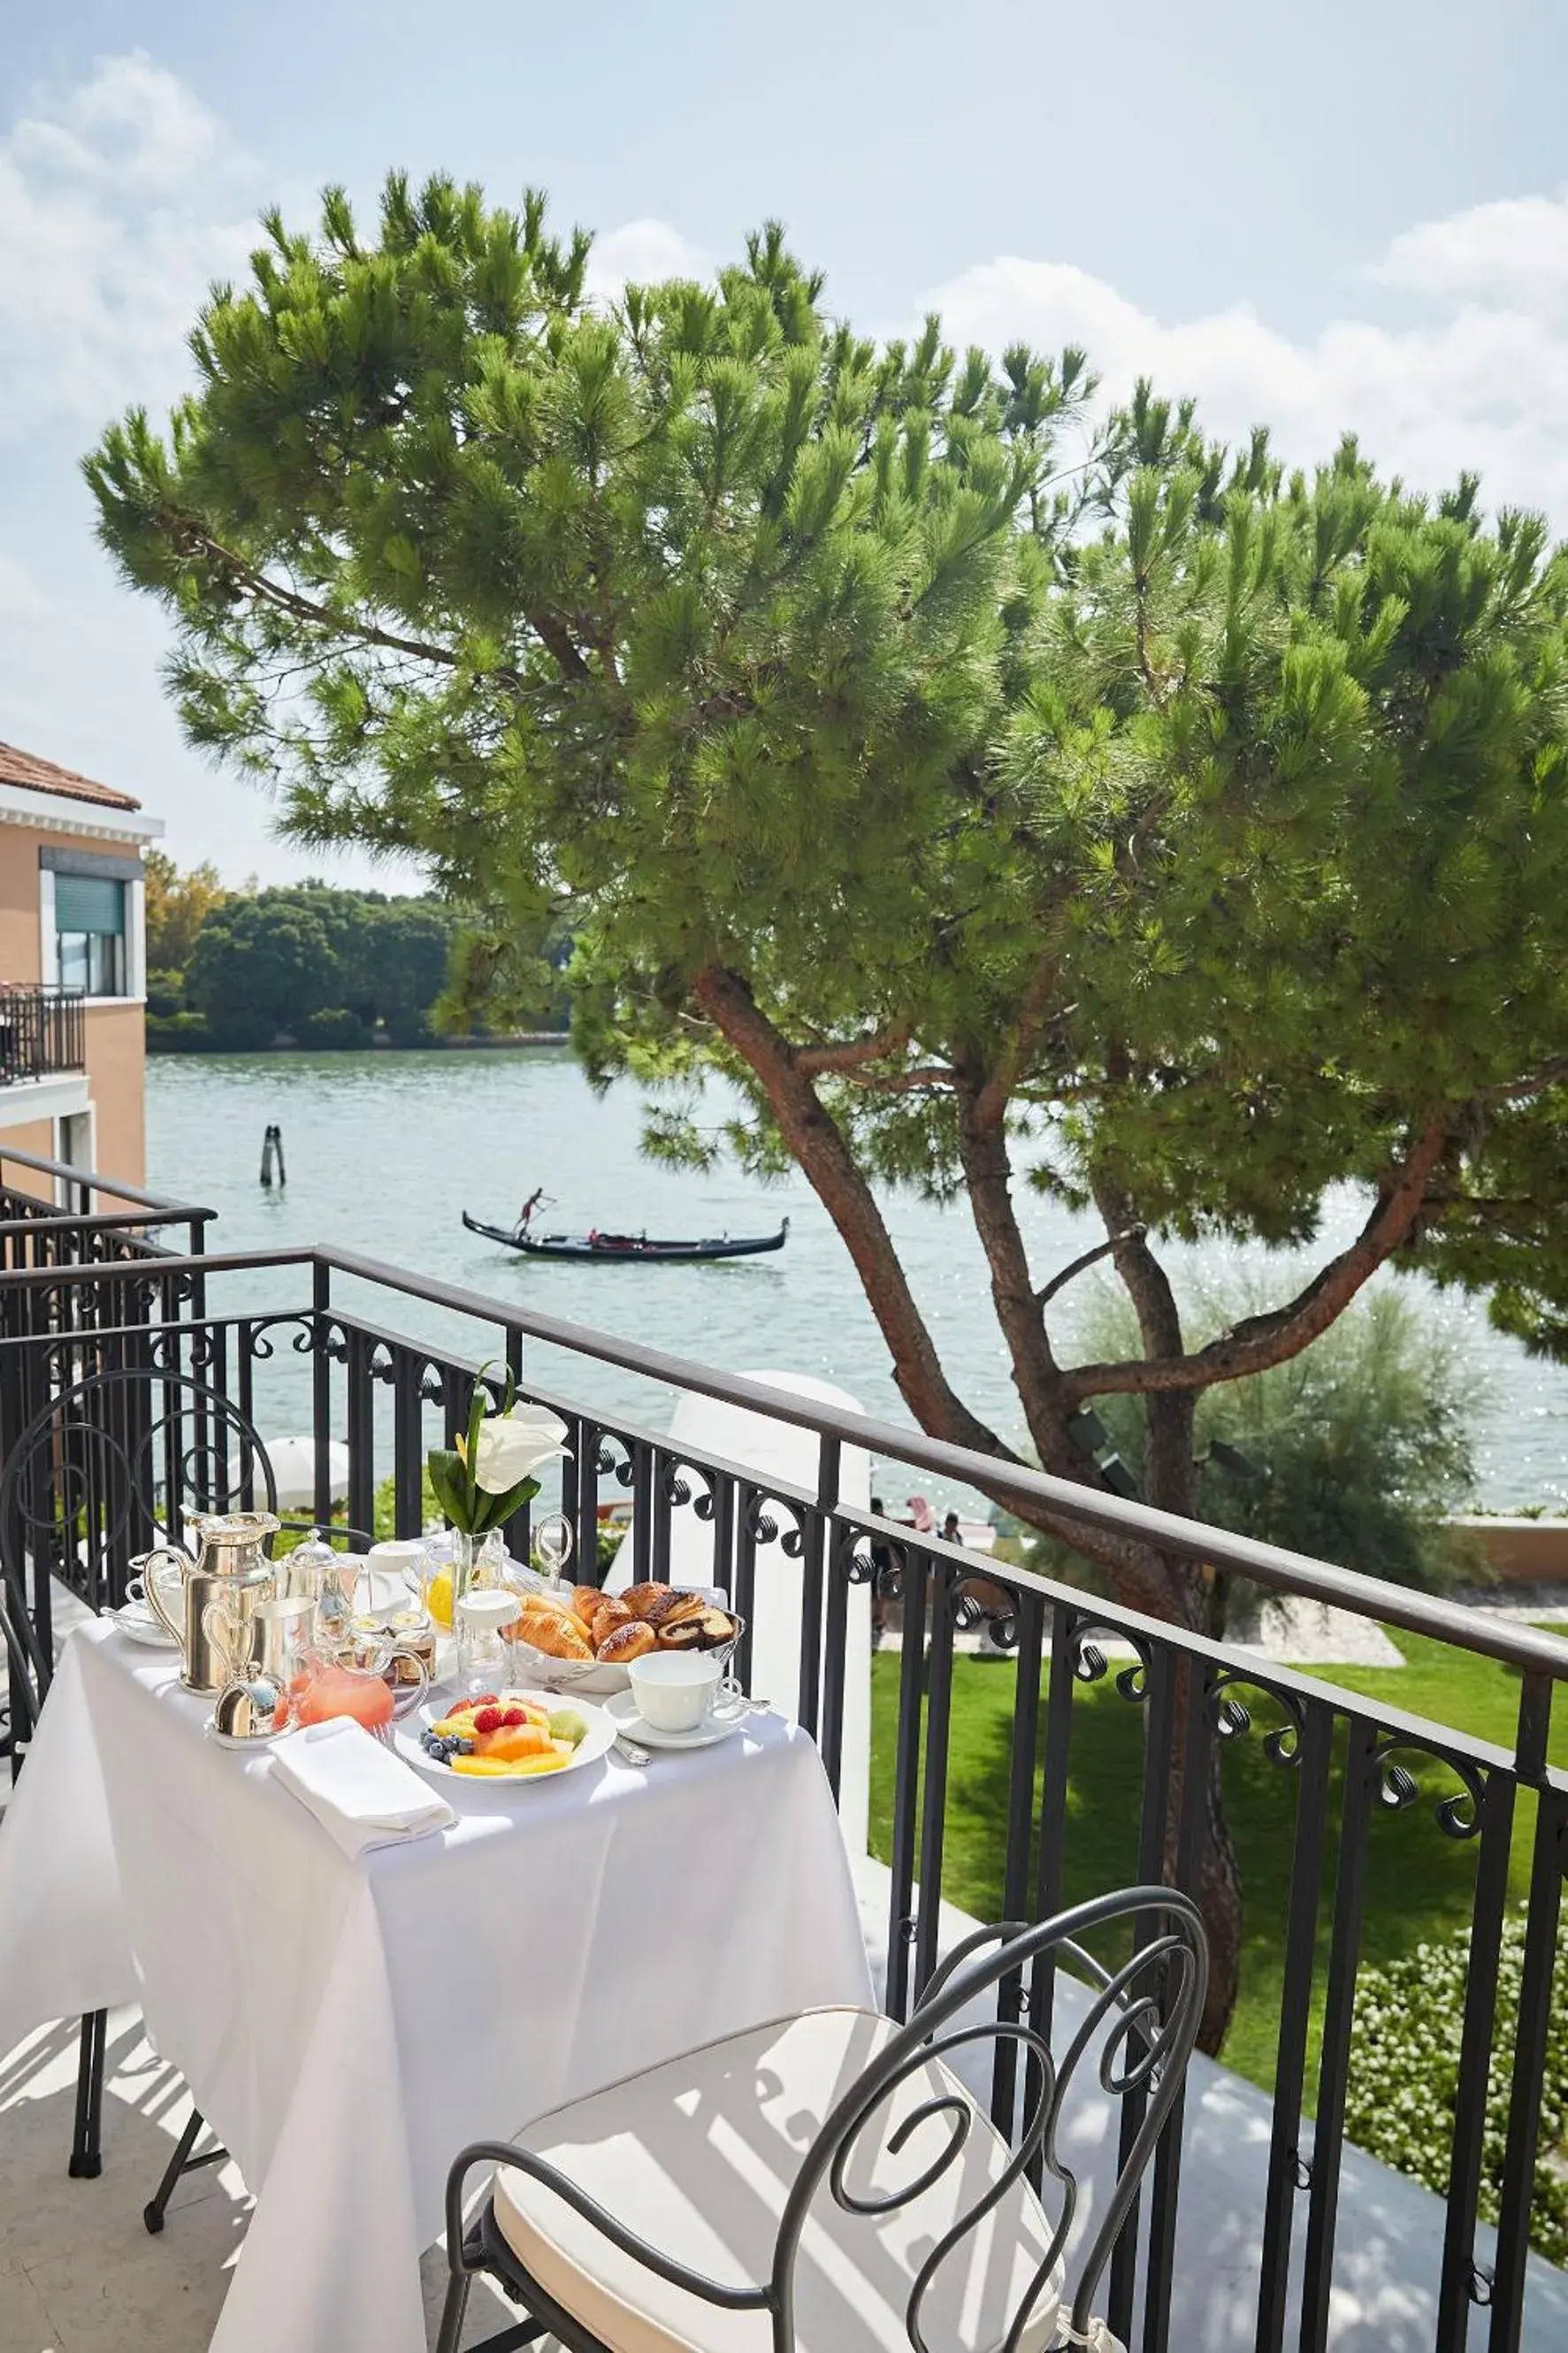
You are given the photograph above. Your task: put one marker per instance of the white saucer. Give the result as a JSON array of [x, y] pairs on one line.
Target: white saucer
[[623, 1711], [252, 1741], [140, 1626]]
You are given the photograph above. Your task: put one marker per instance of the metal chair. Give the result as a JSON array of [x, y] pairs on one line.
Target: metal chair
[[99, 1472], [835, 2168]]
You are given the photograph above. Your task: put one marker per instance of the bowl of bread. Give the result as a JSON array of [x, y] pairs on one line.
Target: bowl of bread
[[577, 1637]]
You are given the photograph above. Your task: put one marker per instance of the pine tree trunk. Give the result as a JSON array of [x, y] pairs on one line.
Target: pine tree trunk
[[1139, 1576], [1215, 1874], [1165, 1587]]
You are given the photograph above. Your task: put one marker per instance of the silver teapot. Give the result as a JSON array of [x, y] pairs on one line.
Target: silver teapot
[[206, 1604]]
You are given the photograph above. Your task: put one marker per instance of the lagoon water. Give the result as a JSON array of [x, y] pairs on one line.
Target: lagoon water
[[384, 1151]]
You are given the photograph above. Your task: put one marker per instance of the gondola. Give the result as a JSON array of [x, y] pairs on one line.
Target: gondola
[[610, 1250]]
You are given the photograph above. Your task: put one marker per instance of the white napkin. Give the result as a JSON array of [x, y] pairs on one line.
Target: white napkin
[[360, 1793]]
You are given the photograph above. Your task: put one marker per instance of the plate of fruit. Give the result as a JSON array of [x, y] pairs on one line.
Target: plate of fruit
[[506, 1736]]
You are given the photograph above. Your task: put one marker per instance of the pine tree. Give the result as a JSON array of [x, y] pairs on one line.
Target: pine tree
[[995, 798]]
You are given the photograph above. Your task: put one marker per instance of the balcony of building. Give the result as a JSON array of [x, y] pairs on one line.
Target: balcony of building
[[1262, 2225]]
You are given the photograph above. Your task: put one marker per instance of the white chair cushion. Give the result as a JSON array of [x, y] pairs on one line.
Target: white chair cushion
[[698, 2157]]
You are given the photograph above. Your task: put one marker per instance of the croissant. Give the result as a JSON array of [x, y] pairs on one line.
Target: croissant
[[555, 1632], [558, 1603], [609, 1614], [632, 1641], [585, 1600]]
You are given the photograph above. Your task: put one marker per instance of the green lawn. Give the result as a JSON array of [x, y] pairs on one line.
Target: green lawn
[[1418, 1883]]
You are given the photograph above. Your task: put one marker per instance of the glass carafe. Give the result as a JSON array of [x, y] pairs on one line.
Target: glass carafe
[[357, 1678]]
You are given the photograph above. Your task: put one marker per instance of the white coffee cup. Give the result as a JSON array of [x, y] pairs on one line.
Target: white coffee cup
[[674, 1691]]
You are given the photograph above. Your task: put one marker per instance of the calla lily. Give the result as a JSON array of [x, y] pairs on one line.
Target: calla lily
[[512, 1446]]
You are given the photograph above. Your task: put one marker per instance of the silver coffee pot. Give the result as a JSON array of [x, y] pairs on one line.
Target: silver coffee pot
[[206, 1604]]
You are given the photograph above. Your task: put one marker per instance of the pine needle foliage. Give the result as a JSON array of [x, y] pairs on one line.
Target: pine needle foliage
[[996, 797], [1000, 789]]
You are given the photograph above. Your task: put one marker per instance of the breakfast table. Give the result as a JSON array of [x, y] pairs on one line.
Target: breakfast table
[[347, 2022]]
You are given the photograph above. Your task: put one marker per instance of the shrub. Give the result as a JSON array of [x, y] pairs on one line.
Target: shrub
[[408, 1024], [166, 994], [1405, 2067], [178, 1033], [337, 1030], [242, 1032]]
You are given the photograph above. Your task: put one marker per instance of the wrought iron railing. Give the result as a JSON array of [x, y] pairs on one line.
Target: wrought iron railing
[[42, 1031], [317, 1340], [61, 1219]]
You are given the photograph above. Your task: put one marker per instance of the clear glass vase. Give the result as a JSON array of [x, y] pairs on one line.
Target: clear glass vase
[[476, 1562], [467, 1565]]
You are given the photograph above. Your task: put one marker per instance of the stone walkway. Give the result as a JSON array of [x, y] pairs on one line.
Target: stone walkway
[[78, 2272]]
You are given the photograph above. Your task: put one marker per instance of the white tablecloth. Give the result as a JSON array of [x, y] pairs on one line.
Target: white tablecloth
[[346, 2026]]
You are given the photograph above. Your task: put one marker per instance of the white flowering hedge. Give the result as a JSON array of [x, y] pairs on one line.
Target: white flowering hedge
[[1404, 2069]]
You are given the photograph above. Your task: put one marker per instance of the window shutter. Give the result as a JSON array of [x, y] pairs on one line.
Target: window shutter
[[85, 903]]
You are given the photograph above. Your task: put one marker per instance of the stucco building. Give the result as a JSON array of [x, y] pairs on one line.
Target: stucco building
[[72, 969]]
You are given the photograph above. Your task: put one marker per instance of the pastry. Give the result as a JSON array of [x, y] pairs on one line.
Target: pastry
[[678, 1608], [685, 1636], [632, 1641], [555, 1633], [642, 1601], [609, 1614], [662, 1605], [585, 1600], [717, 1627]]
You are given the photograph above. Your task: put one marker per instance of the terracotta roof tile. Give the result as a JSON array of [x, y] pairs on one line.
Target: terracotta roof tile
[[37, 775]]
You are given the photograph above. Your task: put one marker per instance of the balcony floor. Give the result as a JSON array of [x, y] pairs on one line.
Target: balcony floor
[[79, 2275]]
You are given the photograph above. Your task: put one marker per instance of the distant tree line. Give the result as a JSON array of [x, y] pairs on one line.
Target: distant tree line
[[305, 963]]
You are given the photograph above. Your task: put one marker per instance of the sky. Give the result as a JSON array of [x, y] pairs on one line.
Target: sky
[[1341, 217]]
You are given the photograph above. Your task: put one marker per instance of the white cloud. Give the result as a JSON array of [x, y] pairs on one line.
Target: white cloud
[[119, 204], [1514, 253], [1480, 382], [640, 253]]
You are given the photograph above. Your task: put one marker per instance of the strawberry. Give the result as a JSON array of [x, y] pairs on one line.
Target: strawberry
[[486, 1699], [488, 1719], [513, 1715]]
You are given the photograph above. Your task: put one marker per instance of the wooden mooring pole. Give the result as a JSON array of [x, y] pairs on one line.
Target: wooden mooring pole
[[272, 1151]]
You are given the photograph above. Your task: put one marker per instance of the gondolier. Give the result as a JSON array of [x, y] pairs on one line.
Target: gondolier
[[534, 1201]]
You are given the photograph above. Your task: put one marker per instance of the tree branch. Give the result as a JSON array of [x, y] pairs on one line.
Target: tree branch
[[1078, 1266], [194, 538], [1014, 1057], [1169, 1471], [903, 1082], [1142, 1574], [818, 1144], [1533, 1083], [1260, 1341], [813, 1060]]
